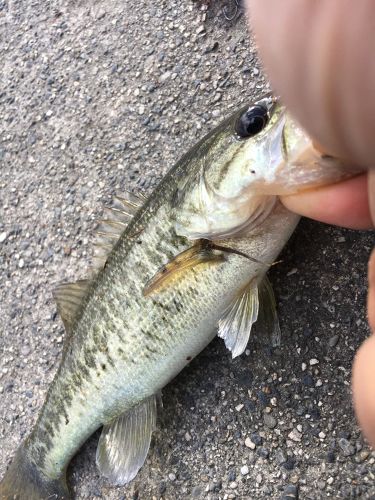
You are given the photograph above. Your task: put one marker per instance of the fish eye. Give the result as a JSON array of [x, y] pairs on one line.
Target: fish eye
[[252, 121]]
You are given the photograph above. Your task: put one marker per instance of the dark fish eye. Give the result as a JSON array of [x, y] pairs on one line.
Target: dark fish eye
[[252, 121]]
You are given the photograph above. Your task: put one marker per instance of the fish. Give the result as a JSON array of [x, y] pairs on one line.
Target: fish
[[172, 271]]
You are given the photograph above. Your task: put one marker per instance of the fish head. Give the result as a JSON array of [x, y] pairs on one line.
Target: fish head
[[231, 180]]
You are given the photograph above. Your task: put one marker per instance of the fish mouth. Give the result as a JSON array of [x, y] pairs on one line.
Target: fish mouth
[[304, 164]]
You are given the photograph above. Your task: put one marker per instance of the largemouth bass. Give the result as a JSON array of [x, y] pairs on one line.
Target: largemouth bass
[[190, 263]]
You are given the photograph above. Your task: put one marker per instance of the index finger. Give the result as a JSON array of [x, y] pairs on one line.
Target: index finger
[[344, 204]]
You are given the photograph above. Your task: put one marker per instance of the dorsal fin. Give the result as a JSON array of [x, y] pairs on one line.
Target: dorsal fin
[[110, 229], [68, 297]]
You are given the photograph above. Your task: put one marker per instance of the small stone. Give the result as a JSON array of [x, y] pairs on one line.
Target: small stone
[[263, 452], [280, 457], [187, 437], [3, 237], [303, 366], [196, 492], [321, 435], [290, 492], [295, 436], [21, 263], [233, 485], [25, 350], [232, 476], [346, 448], [249, 444], [290, 463], [269, 421], [321, 485], [333, 341], [165, 76], [362, 456], [239, 407], [244, 470], [255, 438], [330, 480], [259, 478], [172, 477], [313, 362]]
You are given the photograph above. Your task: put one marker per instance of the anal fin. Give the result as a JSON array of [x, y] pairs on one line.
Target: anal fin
[[238, 319], [124, 444]]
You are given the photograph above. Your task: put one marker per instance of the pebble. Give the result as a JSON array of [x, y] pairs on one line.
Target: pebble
[[313, 362], [362, 456], [25, 350], [269, 420], [294, 435], [259, 478], [280, 457], [332, 342], [256, 438], [172, 477], [196, 492], [244, 470], [3, 237], [346, 447], [233, 485], [249, 444], [290, 492]]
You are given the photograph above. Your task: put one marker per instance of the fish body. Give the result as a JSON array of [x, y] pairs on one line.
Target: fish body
[[129, 333]]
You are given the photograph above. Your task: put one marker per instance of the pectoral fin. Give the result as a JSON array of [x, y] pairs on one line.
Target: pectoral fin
[[268, 320], [201, 253], [235, 325], [124, 444]]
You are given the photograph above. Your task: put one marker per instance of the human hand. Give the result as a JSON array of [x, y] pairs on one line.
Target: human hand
[[319, 56]]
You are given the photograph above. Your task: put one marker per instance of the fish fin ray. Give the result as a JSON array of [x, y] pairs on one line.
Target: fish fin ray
[[110, 229], [68, 298], [238, 319], [199, 253], [124, 443], [268, 318]]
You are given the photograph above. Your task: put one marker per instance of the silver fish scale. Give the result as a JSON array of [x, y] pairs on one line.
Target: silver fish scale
[[125, 346]]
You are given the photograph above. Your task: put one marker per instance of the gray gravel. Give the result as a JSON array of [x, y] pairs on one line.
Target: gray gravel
[[98, 97]]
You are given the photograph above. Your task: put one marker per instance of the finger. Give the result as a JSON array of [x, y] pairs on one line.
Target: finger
[[364, 388], [323, 67], [344, 204], [371, 291]]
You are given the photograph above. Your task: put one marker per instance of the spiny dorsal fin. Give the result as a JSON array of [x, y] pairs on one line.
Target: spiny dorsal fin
[[110, 229], [124, 444], [68, 297], [239, 317]]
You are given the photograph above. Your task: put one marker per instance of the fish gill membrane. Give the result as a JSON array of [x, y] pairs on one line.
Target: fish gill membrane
[[171, 272]]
